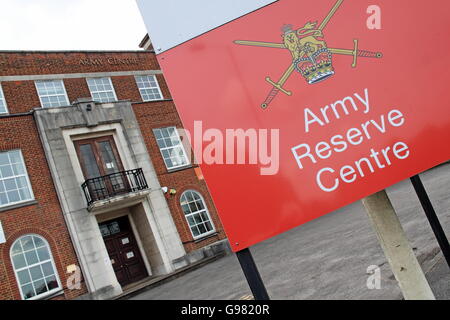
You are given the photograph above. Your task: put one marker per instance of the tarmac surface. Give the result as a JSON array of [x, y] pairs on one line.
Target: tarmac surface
[[328, 258]]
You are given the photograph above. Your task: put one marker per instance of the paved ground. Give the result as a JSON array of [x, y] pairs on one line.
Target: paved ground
[[328, 257], [439, 279]]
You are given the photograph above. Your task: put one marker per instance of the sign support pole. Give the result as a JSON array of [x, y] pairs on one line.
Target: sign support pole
[[252, 275], [432, 217], [399, 253]]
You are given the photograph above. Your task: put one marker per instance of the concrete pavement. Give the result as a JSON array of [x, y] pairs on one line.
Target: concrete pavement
[[328, 257], [439, 278]]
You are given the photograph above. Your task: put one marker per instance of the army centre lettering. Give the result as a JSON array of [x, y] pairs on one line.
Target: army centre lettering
[[108, 61]]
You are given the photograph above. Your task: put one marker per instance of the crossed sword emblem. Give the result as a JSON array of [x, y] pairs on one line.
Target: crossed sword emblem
[[278, 86]]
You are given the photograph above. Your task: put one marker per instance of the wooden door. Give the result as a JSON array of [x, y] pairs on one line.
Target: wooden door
[[123, 251], [99, 158]]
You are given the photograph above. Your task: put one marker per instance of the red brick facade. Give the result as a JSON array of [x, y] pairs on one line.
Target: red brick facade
[[44, 216]]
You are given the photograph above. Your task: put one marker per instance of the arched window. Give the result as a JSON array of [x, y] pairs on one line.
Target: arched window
[[196, 213], [34, 267]]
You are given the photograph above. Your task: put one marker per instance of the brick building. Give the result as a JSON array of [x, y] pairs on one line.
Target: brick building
[[95, 178]]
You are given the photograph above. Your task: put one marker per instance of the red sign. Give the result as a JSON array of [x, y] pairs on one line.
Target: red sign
[[339, 99]]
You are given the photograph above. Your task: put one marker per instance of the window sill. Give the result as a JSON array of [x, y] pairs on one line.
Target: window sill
[[211, 235], [189, 166], [18, 205], [150, 101], [13, 115], [206, 237], [48, 295]]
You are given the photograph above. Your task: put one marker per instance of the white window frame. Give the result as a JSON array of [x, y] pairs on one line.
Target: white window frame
[[55, 80], [52, 260], [198, 212], [157, 87], [112, 86], [4, 101], [30, 189], [188, 162]]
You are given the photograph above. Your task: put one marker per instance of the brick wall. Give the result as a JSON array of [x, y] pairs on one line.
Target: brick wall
[[43, 217], [20, 96], [32, 63]]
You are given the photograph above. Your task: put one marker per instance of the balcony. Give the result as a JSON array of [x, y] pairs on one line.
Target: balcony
[[119, 184]]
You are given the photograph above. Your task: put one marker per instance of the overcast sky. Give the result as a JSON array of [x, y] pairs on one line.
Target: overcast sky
[[70, 25]]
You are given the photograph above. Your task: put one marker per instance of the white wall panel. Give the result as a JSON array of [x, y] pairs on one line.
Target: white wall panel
[[172, 22]]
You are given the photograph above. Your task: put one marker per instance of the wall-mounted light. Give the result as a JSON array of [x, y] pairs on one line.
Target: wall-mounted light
[[171, 190]]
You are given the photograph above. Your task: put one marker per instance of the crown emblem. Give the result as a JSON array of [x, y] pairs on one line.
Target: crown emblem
[[317, 67]]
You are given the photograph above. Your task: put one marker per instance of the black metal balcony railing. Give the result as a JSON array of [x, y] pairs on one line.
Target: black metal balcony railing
[[114, 184]]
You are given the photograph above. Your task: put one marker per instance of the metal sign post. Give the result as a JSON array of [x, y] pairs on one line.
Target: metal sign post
[[432, 217], [399, 253], [252, 275]]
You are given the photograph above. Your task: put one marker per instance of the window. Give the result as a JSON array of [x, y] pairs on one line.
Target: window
[[171, 148], [52, 93], [102, 89], [14, 182], [102, 168], [3, 108], [149, 88], [34, 267], [196, 214]]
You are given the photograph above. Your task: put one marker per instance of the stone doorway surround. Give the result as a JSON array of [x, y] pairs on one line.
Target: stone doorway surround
[[58, 128]]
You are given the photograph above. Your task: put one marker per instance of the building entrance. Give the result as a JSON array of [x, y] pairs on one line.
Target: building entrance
[[123, 250]]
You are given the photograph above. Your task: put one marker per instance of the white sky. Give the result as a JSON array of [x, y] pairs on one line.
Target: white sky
[[70, 25]]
